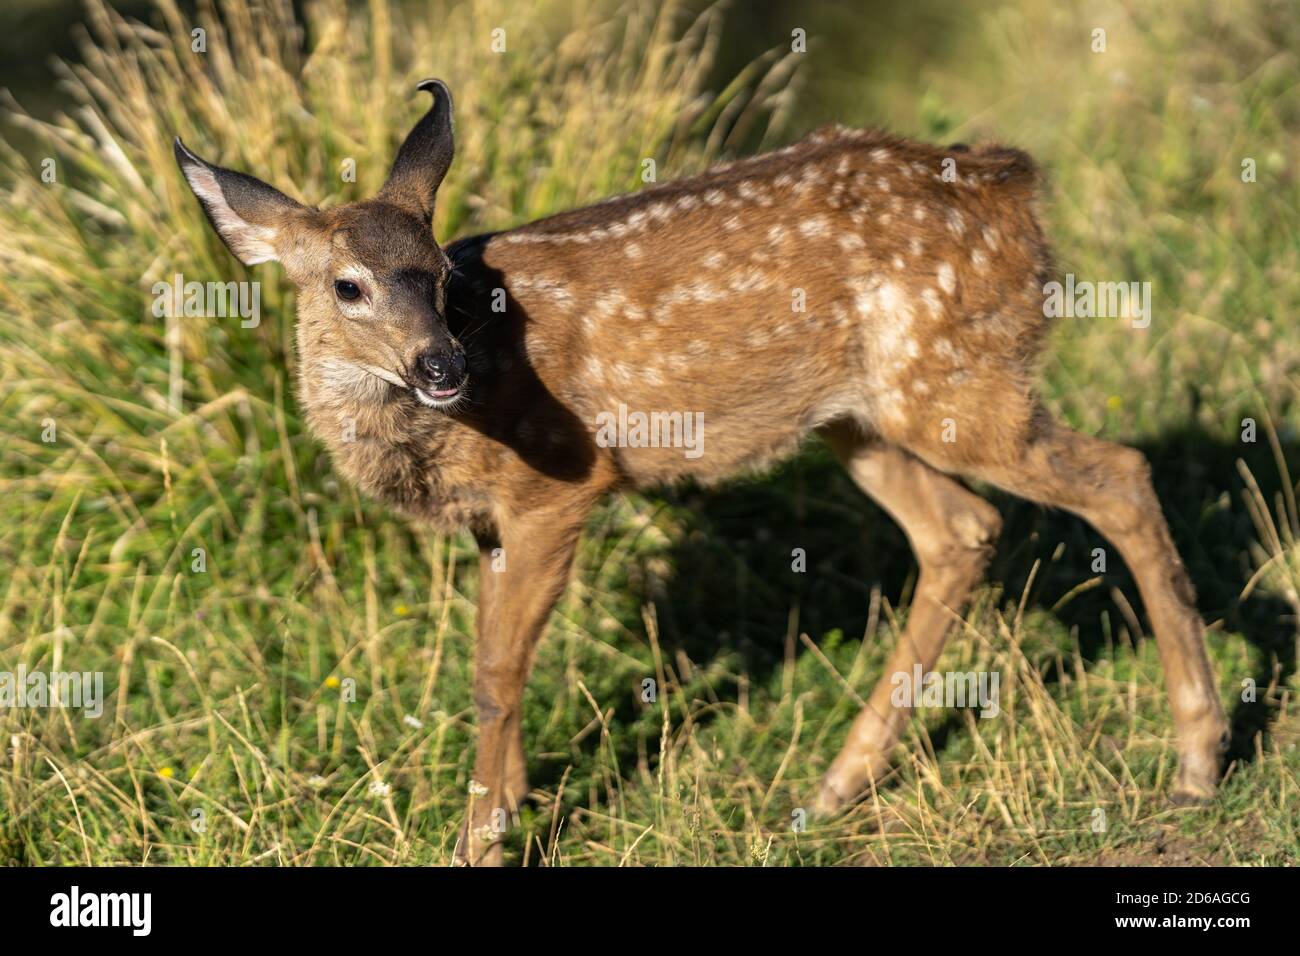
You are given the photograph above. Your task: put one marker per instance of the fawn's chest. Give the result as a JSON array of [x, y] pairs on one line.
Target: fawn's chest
[[417, 467]]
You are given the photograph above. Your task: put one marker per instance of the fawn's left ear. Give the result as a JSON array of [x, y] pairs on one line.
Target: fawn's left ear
[[246, 213], [423, 160]]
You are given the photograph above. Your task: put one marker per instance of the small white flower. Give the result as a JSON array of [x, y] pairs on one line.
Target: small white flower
[[477, 789], [412, 721], [379, 789], [485, 834], [315, 781]]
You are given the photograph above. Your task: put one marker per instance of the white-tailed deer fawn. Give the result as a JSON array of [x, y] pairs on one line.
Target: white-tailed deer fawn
[[843, 286]]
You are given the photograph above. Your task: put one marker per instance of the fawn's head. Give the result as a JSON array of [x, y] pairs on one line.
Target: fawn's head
[[371, 280]]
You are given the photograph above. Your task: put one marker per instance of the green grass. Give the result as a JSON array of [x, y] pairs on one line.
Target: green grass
[[226, 686]]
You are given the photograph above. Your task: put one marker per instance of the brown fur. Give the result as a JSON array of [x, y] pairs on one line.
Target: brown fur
[[914, 358]]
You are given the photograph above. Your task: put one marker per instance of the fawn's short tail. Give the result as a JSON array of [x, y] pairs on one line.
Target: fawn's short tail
[[1008, 165]]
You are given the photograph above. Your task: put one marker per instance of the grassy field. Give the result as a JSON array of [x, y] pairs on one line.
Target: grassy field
[[128, 441]]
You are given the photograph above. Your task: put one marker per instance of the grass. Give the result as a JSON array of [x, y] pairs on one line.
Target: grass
[[228, 736]]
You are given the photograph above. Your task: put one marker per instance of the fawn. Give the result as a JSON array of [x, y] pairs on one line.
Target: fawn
[[463, 387]]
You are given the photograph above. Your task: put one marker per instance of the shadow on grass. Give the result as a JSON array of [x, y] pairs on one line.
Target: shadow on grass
[[734, 587]]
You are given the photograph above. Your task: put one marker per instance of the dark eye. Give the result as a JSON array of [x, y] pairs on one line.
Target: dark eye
[[347, 290]]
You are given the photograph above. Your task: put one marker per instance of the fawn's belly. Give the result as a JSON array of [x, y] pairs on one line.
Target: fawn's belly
[[720, 392]]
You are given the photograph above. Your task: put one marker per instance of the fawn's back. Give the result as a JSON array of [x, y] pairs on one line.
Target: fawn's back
[[852, 275]]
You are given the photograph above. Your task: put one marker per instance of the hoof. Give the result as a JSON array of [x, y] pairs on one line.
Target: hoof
[[831, 800], [478, 848], [1191, 798], [827, 803]]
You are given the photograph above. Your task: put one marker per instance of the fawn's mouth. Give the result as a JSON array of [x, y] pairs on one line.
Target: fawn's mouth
[[429, 397], [437, 399]]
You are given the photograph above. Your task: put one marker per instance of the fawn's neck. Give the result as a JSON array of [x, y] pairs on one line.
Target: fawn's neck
[[391, 448]]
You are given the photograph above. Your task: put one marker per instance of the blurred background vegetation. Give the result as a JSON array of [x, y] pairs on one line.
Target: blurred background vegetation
[[859, 45], [225, 683]]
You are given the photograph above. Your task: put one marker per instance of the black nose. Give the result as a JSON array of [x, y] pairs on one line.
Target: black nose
[[443, 368]]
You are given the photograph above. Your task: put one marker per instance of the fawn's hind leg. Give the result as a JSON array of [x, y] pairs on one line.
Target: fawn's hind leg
[[1109, 486], [952, 532]]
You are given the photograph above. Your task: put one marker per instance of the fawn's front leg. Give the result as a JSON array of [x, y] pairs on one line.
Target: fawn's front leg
[[523, 574]]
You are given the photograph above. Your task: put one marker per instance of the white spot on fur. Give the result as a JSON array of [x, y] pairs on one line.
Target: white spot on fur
[[932, 303], [815, 227], [812, 176], [890, 404], [947, 280], [751, 280], [894, 344], [541, 286]]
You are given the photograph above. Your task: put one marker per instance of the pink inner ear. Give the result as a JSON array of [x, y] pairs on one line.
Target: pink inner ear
[[252, 244]]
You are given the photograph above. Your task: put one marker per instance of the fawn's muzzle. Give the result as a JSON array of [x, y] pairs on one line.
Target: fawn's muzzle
[[443, 368], [441, 374]]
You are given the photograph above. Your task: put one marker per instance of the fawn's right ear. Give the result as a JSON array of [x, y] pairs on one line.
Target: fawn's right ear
[[246, 213]]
